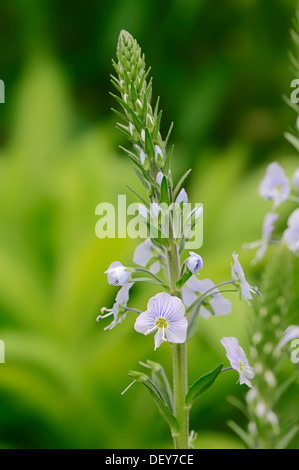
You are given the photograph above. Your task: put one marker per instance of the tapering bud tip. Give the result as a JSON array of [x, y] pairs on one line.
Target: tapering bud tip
[[125, 38]]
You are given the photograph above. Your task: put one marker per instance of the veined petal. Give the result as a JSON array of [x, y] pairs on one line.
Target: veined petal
[[155, 267], [244, 380], [188, 295], [238, 359], [144, 322], [177, 331], [158, 338], [220, 305], [164, 305], [143, 253], [248, 372], [204, 312]]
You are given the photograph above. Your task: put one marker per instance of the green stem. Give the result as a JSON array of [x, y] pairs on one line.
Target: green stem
[[179, 351], [142, 270], [201, 297]]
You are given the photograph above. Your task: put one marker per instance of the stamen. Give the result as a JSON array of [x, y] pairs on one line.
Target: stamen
[[163, 334], [128, 387], [152, 329], [104, 309]]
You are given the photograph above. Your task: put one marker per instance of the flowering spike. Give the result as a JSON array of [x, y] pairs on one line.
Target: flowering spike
[[142, 123]]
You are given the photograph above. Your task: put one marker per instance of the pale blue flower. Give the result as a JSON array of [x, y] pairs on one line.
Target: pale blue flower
[[119, 307], [198, 212], [238, 359], [275, 185], [240, 281], [117, 274], [143, 254], [143, 212], [165, 314], [295, 178], [292, 332], [159, 156], [182, 197], [291, 234], [262, 245], [214, 303], [159, 178], [194, 262], [142, 154], [155, 209]]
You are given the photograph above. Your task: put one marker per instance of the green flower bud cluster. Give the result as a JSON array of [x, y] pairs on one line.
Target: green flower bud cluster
[[140, 123]]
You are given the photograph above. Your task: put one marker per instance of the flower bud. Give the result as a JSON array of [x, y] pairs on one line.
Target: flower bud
[[117, 274], [194, 262]]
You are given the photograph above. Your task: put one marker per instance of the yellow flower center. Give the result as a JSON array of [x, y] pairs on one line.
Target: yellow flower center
[[161, 323]]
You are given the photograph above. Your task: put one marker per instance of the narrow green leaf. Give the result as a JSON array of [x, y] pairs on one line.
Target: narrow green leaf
[[156, 107], [180, 183], [166, 413], [242, 434], [149, 90], [157, 126], [164, 198], [128, 152], [137, 123], [149, 147], [144, 108], [287, 438], [183, 279], [120, 115], [116, 86], [116, 67], [202, 384], [134, 73], [126, 134], [162, 406], [157, 236], [139, 196], [168, 134], [121, 102], [133, 92], [238, 404], [145, 174], [142, 80], [168, 159], [292, 139], [282, 388], [192, 322], [160, 386], [290, 103], [126, 77]]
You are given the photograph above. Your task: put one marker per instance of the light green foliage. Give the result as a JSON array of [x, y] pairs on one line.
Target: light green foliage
[[61, 384], [275, 311]]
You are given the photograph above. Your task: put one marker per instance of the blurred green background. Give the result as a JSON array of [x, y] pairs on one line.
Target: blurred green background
[[220, 69]]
